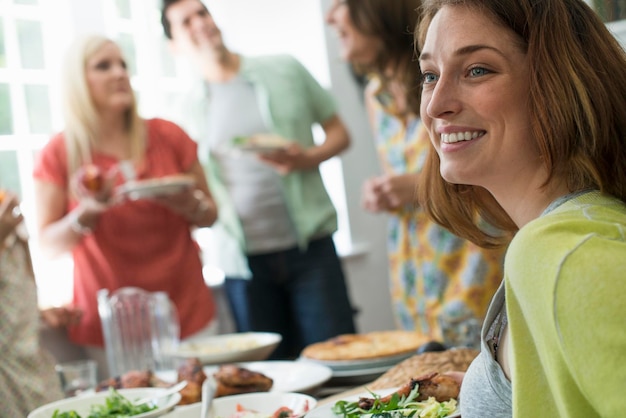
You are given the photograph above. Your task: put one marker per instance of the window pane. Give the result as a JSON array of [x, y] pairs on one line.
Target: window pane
[[125, 41], [38, 108], [6, 115], [31, 43], [9, 172], [3, 57], [123, 9], [25, 1], [169, 68]]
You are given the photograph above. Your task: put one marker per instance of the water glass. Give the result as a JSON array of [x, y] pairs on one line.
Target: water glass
[[77, 376]]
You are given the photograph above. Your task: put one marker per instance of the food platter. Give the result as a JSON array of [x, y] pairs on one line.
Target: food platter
[[229, 348], [82, 403], [288, 376], [325, 411], [162, 186]]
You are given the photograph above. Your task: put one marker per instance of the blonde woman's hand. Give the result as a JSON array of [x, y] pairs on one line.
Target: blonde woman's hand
[[192, 204], [92, 182], [93, 188]]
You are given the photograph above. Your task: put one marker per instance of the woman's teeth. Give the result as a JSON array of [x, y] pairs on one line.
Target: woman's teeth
[[460, 136]]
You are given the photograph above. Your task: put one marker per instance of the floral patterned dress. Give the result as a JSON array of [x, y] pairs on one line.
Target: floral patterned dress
[[441, 284], [27, 376]]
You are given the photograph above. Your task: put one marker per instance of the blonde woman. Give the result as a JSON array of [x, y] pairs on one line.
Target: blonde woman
[[114, 243]]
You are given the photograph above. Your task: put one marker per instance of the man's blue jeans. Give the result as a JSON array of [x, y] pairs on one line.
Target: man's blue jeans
[[300, 294]]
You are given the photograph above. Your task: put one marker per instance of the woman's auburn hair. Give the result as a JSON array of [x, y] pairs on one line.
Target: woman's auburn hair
[[576, 102], [81, 130]]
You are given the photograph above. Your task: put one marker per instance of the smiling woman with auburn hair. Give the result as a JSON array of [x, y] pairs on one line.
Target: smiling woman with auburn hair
[[524, 104]]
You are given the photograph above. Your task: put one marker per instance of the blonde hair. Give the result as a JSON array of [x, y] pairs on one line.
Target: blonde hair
[[80, 113]]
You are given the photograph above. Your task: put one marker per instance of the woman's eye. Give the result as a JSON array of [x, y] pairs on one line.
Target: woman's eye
[[428, 78], [104, 65], [478, 71]]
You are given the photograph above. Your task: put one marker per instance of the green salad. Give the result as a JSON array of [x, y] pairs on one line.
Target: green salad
[[397, 407], [115, 406]]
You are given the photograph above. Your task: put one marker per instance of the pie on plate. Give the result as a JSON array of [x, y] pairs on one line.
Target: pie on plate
[[367, 346]]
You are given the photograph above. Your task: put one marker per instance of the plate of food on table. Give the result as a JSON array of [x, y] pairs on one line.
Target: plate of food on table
[[430, 396], [359, 358], [110, 403], [228, 348]]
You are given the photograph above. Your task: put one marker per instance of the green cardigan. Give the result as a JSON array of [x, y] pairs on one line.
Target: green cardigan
[[565, 278]]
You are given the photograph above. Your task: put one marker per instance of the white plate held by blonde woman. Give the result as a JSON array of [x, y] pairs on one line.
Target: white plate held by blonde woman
[[162, 186]]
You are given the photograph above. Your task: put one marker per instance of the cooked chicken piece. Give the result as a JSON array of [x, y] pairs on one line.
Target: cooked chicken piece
[[192, 371], [131, 379], [439, 386], [232, 379], [191, 393]]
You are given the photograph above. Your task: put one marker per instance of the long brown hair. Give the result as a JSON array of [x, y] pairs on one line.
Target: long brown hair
[[576, 102], [393, 22]]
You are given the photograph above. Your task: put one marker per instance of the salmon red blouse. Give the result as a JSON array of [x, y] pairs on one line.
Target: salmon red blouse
[[136, 243]]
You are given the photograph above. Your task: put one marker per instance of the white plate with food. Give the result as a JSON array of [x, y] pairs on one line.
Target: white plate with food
[[420, 409], [83, 404], [229, 348], [259, 143], [162, 186], [287, 376], [252, 405]]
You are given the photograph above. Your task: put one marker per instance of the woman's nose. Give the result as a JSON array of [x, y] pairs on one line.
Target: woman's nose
[[443, 99]]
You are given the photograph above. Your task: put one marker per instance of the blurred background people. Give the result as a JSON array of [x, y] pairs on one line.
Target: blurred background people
[[115, 242], [527, 134], [27, 376], [274, 209], [441, 284]]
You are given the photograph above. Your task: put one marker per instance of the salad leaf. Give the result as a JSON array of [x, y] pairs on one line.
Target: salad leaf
[[115, 406], [396, 407]]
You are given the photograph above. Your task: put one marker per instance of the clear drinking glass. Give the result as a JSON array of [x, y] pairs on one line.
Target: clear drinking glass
[[77, 376]]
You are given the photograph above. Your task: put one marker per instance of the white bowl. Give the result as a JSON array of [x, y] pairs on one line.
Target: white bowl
[[265, 403], [82, 403], [228, 348]]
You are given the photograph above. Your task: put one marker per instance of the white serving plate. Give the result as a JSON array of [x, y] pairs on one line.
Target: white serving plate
[[360, 364], [162, 186], [230, 348], [288, 376], [82, 403], [265, 403]]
